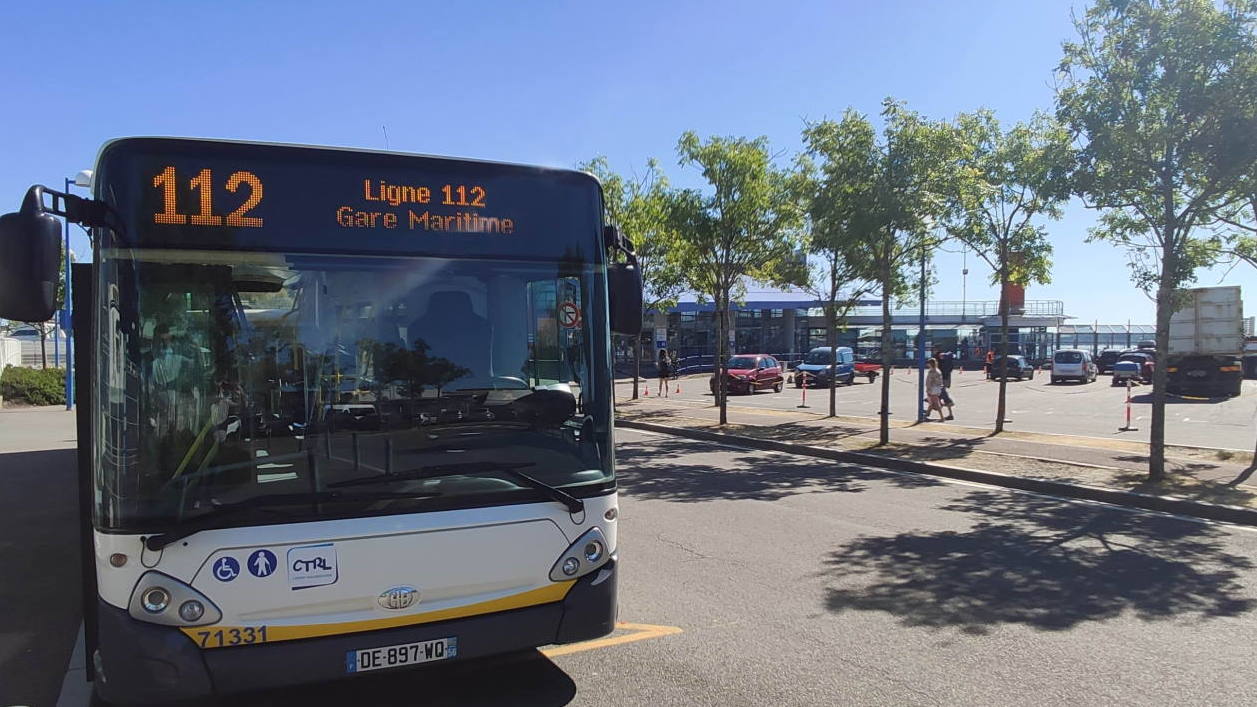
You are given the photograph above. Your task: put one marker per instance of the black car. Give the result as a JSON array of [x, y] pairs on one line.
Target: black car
[[1106, 359], [1013, 367]]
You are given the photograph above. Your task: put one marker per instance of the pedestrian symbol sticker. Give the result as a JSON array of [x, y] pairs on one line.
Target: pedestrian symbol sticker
[[226, 569], [262, 563], [569, 315]]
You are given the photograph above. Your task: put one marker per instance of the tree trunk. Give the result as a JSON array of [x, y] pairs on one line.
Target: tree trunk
[[43, 347], [831, 335], [637, 362], [1000, 407], [831, 340], [722, 343], [884, 434], [1156, 437]]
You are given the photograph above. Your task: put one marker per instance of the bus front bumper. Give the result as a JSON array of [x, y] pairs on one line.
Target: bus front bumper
[[147, 663]]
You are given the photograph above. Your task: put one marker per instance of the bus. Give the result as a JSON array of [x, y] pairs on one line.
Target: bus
[[340, 411]]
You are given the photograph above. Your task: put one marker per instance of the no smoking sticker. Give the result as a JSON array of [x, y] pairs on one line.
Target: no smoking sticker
[[569, 315]]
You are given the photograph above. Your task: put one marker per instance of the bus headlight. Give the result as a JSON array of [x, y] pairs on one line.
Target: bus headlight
[[593, 551], [191, 611], [155, 600], [161, 599], [587, 554]]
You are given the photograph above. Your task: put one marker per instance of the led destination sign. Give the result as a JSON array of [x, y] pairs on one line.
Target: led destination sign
[[204, 194], [462, 196]]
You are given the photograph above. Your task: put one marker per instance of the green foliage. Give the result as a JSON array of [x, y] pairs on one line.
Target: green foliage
[[641, 208], [1160, 93], [33, 386], [748, 225]]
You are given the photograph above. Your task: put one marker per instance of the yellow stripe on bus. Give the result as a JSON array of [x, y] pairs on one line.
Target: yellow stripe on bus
[[533, 597]]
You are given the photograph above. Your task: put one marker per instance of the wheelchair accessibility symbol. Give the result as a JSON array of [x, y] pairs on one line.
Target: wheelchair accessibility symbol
[[226, 569]]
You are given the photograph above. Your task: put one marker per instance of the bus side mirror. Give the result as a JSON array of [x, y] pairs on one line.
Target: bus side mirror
[[624, 285], [30, 253]]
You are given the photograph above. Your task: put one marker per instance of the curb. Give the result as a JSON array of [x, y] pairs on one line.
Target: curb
[[1163, 504]]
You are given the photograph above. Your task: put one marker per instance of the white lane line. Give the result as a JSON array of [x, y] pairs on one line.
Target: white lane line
[[76, 691]]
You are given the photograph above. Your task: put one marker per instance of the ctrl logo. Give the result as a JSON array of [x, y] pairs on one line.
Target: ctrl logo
[[312, 566]]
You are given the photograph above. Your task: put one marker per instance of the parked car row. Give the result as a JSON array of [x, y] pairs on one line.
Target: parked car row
[[748, 373]]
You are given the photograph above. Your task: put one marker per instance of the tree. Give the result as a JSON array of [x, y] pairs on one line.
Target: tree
[[640, 208], [746, 226], [1159, 95], [1003, 183], [893, 186], [836, 239]]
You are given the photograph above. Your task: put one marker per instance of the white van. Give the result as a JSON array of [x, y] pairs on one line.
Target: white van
[[1073, 364]]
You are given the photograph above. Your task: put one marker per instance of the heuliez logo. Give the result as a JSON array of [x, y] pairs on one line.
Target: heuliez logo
[[312, 566]]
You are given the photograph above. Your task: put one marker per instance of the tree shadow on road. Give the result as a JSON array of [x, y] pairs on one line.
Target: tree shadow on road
[[676, 469], [1044, 563], [931, 448]]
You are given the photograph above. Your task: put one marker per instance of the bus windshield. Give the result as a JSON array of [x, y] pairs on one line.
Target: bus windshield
[[227, 376]]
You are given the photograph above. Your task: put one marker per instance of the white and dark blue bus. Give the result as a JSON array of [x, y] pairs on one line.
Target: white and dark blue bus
[[339, 411]]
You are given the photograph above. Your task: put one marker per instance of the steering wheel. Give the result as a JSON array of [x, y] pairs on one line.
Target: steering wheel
[[515, 383]]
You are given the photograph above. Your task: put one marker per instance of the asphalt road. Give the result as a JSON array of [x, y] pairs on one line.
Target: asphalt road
[[794, 581], [1094, 410]]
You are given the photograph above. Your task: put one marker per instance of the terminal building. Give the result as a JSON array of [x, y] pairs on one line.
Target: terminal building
[[786, 325]]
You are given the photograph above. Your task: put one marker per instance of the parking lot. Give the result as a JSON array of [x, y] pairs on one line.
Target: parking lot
[[763, 578], [1094, 410]]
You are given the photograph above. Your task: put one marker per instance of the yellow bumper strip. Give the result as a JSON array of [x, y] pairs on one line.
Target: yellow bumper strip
[[279, 632]]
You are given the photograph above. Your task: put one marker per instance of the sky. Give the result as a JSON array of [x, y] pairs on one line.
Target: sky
[[550, 83]]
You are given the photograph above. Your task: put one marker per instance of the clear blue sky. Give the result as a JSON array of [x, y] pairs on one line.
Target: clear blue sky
[[549, 83]]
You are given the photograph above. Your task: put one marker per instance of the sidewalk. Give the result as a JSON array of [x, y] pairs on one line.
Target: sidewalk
[[1198, 474]]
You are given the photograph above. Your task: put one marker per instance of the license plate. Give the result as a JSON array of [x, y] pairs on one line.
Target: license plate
[[1197, 374], [402, 654]]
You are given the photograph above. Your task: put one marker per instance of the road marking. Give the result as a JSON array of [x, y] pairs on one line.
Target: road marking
[[641, 632], [76, 691]]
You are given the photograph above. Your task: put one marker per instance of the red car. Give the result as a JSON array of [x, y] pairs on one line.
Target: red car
[[751, 372], [868, 368]]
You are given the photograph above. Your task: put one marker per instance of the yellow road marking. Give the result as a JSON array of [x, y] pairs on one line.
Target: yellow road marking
[[640, 633]]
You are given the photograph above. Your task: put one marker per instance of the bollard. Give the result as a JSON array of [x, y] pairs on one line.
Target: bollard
[[804, 403], [1128, 428]]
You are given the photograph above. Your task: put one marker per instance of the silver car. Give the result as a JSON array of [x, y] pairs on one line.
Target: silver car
[[1073, 364]]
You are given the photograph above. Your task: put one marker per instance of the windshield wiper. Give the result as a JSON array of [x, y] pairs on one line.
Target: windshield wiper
[[554, 493], [213, 518]]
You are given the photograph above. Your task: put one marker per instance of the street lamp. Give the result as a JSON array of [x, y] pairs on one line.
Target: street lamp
[[84, 180]]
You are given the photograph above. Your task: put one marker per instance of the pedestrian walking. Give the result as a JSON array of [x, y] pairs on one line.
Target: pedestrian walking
[[665, 371], [990, 361], [933, 389], [945, 398], [946, 362]]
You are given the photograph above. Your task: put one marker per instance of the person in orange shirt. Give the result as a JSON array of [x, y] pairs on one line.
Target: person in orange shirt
[[990, 361]]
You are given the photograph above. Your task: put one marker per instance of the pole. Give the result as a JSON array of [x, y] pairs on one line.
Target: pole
[[1128, 428], [801, 373], [921, 411], [68, 306]]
